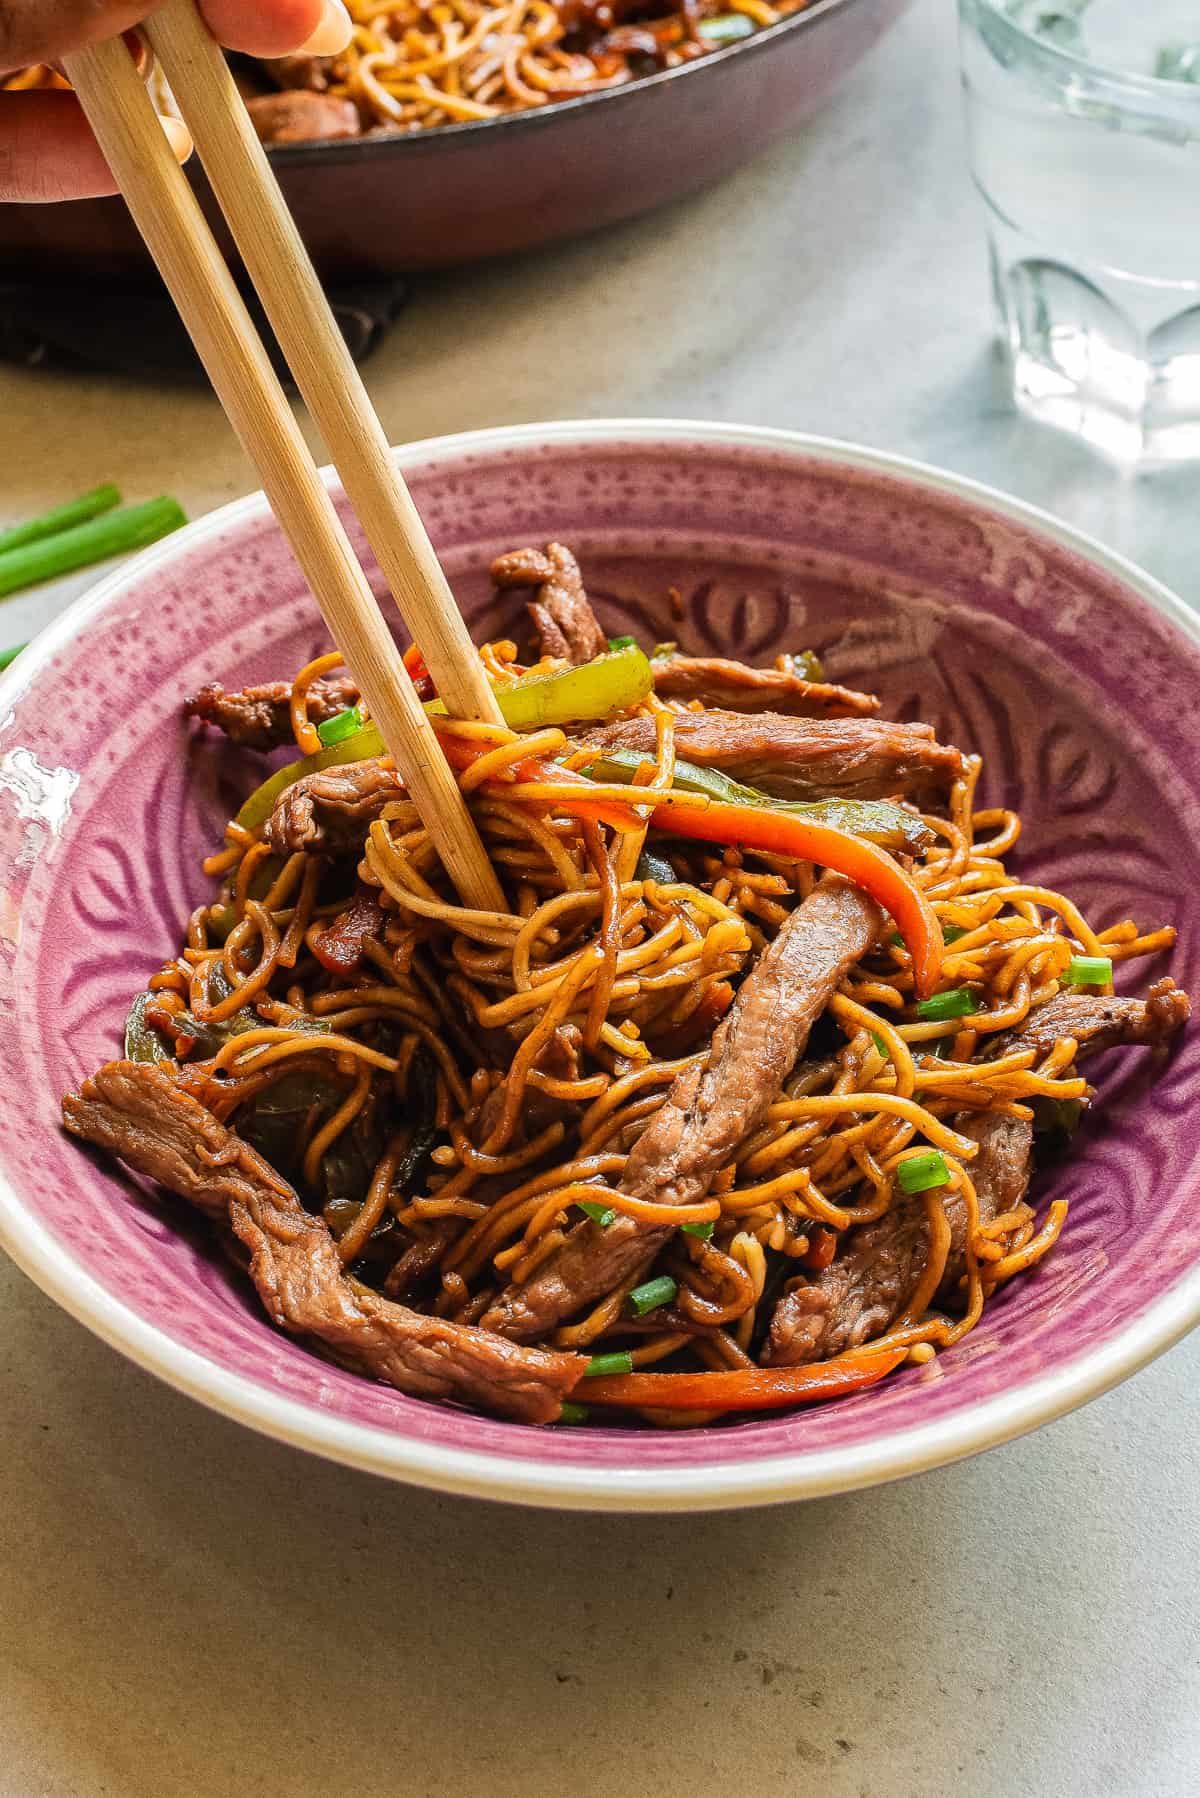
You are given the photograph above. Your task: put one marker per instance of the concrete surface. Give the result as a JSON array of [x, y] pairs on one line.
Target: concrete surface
[[187, 1610]]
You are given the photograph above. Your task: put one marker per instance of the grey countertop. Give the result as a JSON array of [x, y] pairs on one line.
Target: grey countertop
[[186, 1609]]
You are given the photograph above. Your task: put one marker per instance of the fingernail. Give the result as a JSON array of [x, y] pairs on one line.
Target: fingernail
[[178, 136], [333, 34]]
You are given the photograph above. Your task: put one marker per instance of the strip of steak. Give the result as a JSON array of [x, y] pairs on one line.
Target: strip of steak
[[711, 1108], [879, 1265], [259, 717], [717, 681], [137, 1112], [802, 758], [340, 945], [312, 74], [1100, 1021], [330, 813], [299, 117], [561, 611]]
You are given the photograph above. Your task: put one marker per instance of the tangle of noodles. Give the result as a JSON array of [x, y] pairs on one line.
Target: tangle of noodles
[[453, 1099]]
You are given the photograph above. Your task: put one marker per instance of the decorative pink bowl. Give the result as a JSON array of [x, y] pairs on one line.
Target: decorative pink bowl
[[1076, 676]]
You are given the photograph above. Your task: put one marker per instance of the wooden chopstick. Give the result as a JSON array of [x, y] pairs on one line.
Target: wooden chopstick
[[282, 272], [168, 216]]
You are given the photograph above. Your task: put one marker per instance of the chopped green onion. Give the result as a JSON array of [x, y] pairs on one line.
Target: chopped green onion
[[896, 939], [131, 528], [622, 642], [880, 1045], [340, 726], [808, 661], [702, 1232], [599, 1365], [570, 1412], [62, 518], [599, 1214], [920, 1172], [652, 1294], [957, 1003], [662, 650], [1089, 970], [726, 28], [8, 656]]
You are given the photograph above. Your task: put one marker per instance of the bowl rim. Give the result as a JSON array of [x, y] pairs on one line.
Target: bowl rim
[[571, 1486], [533, 118]]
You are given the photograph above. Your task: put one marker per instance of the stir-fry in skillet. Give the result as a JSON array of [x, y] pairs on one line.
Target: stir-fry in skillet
[[418, 64], [733, 1107]]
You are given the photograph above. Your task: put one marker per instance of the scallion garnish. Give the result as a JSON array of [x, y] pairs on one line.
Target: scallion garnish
[[600, 1365], [880, 1045], [8, 656], [959, 1002], [726, 28], [1089, 970], [702, 1232], [651, 1295], [131, 528], [599, 1214], [570, 1412], [62, 518], [622, 642], [340, 726], [920, 1172]]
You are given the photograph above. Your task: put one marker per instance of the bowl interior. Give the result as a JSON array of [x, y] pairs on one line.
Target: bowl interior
[[1079, 695]]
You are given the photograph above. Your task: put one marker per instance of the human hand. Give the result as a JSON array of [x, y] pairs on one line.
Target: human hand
[[47, 151]]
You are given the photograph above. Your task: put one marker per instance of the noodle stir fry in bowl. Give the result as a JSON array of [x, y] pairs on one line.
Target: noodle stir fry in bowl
[[779, 1077]]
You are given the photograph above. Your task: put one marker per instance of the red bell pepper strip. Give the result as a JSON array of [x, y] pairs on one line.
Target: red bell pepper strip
[[799, 839], [751, 1389], [422, 680]]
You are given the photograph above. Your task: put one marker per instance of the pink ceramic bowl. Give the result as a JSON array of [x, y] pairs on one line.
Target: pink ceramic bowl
[[1076, 676]]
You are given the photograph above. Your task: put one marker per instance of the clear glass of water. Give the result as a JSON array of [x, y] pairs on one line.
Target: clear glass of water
[[1084, 125]]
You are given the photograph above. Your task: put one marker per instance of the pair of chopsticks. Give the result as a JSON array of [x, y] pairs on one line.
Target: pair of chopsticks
[[167, 214]]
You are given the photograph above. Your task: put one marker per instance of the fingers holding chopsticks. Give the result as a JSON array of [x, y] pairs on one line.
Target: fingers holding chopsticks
[[47, 152]]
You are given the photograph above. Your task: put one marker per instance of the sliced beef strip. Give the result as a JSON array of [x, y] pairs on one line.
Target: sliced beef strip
[[561, 611], [300, 117], [331, 812], [879, 1265], [313, 74], [341, 944], [1100, 1021], [260, 717], [137, 1112], [717, 681], [802, 758], [711, 1107]]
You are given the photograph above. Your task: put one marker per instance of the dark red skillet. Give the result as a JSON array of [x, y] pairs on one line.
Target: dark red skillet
[[383, 205]]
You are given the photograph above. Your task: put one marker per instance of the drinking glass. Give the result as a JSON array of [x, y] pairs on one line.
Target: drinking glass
[[1084, 125]]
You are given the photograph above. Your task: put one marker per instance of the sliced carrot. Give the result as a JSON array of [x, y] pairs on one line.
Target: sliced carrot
[[754, 1389], [782, 833]]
